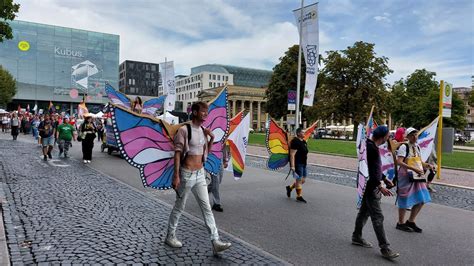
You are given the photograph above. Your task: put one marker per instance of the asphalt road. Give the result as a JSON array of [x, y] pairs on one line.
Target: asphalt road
[[257, 210]]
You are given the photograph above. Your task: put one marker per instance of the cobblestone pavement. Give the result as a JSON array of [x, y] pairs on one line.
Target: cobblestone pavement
[[62, 212], [445, 195], [449, 176]]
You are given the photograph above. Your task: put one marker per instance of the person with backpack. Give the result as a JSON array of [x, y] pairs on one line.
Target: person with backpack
[[192, 145], [375, 188], [412, 192], [46, 131]]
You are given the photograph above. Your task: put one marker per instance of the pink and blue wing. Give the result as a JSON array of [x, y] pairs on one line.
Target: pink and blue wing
[[144, 145], [151, 106], [116, 97]]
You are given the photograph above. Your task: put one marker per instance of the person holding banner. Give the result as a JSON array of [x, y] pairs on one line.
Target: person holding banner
[[373, 193], [298, 162], [412, 191]]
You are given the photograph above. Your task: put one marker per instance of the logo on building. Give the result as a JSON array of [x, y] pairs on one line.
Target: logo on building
[[67, 52], [82, 72], [311, 53], [24, 46]]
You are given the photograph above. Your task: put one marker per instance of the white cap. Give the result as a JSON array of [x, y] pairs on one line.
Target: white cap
[[411, 130]]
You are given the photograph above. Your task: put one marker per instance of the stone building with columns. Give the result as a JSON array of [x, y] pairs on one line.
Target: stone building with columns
[[250, 99]]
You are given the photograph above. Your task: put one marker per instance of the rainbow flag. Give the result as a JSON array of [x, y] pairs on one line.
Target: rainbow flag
[[238, 142]]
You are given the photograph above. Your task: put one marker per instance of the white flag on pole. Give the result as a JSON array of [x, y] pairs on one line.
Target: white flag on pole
[[310, 46], [238, 142], [168, 85], [426, 139]]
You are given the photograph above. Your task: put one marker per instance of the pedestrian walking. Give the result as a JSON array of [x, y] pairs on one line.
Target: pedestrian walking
[[15, 124], [5, 123], [191, 149], [87, 134], [216, 180], [65, 133], [46, 130], [374, 190], [412, 191], [34, 125], [298, 163]]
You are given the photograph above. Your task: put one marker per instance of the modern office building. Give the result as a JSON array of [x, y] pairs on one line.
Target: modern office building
[[58, 64], [210, 76], [139, 78]]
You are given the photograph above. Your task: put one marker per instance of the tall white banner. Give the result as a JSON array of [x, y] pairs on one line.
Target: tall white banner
[[310, 46], [167, 74]]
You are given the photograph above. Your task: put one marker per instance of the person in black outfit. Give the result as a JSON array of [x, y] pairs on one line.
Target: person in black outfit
[[373, 192], [88, 131], [298, 162]]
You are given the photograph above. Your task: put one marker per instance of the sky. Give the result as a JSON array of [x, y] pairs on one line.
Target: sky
[[437, 35]]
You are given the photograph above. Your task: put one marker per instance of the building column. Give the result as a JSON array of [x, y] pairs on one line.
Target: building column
[[259, 113], [242, 105], [251, 113], [234, 108]]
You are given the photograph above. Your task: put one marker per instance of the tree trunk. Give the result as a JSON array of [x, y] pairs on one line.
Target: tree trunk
[[354, 134]]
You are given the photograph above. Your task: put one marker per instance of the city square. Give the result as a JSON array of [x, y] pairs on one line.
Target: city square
[[214, 134]]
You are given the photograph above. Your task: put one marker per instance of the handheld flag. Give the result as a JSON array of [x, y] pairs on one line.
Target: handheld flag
[[238, 141]]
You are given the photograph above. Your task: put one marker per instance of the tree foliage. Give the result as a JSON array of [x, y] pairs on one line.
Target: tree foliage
[[284, 78], [414, 102], [351, 81], [7, 87], [471, 98], [8, 11]]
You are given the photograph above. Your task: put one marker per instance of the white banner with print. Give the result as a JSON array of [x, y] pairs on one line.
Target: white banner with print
[[167, 73], [310, 45]]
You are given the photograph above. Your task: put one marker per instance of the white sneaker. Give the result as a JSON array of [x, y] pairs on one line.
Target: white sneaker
[[85, 161], [88, 161], [173, 242], [219, 246]]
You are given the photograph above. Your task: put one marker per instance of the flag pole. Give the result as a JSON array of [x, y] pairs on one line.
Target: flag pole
[[440, 129], [298, 80]]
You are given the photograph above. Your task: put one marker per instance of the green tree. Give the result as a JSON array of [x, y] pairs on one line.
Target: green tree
[[351, 81], [8, 11], [284, 78], [471, 98], [7, 87], [414, 102]]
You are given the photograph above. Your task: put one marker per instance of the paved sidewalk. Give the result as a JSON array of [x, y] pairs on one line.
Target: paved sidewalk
[[449, 176], [63, 212]]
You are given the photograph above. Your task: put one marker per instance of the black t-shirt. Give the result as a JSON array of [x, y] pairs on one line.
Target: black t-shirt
[[46, 129], [374, 165], [301, 148]]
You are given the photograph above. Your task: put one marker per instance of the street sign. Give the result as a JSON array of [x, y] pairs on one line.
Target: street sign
[[290, 119], [291, 100], [447, 99]]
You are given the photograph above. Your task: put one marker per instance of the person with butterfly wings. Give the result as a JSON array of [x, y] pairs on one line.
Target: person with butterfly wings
[[298, 163], [192, 145]]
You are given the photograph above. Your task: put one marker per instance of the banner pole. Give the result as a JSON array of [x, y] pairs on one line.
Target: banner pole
[[298, 80], [440, 130]]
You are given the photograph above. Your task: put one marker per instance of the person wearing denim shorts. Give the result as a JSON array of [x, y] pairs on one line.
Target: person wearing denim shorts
[[189, 176], [298, 162]]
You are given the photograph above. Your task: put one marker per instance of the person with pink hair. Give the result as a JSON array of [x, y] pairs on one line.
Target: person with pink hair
[[400, 134]]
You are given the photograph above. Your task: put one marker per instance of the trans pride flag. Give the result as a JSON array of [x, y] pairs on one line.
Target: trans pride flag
[[238, 141], [426, 139]]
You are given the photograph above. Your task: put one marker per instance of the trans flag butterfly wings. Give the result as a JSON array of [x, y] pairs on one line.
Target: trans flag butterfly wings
[[426, 139], [149, 107], [146, 145], [363, 170], [218, 122], [278, 148]]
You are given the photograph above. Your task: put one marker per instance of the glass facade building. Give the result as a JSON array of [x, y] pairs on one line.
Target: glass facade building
[[58, 64]]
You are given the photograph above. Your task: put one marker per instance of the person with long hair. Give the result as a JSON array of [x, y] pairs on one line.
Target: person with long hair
[[15, 124], [87, 135], [137, 105]]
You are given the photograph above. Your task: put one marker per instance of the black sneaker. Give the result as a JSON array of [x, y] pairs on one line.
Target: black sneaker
[[388, 253], [288, 191], [217, 208], [300, 199], [361, 242], [45, 158], [50, 156], [413, 227], [404, 227]]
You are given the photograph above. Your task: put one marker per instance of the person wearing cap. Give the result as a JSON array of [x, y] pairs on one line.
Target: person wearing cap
[[411, 194], [64, 135], [88, 134], [374, 190]]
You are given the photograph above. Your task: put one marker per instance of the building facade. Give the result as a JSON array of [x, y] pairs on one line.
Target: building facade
[[58, 64], [139, 78], [211, 76], [464, 93]]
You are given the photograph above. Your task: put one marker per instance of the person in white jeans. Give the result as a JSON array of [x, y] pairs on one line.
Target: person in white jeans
[[191, 148]]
